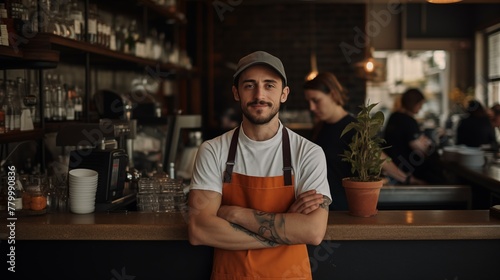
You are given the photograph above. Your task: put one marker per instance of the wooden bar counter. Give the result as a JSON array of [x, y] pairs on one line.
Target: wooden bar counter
[[386, 225], [421, 244]]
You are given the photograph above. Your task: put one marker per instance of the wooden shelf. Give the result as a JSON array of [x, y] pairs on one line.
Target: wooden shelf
[[101, 56], [8, 52], [18, 136], [27, 58]]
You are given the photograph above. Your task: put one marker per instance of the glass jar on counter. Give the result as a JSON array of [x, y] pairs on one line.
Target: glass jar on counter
[[34, 200], [34, 197]]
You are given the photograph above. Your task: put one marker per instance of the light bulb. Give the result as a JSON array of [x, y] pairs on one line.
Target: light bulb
[[311, 75], [443, 1], [369, 66]]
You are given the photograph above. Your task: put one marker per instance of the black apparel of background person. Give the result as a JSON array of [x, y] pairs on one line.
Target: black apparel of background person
[[476, 128], [408, 147], [325, 135], [495, 121], [331, 119]]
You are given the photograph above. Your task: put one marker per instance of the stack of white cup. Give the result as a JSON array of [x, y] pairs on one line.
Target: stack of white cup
[[82, 190]]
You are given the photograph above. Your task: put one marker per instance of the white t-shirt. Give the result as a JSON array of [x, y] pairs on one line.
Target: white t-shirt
[[261, 159]]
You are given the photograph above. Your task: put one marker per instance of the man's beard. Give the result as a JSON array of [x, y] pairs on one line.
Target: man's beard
[[259, 120]]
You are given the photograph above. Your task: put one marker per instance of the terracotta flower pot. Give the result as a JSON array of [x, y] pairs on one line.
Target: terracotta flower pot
[[362, 197]]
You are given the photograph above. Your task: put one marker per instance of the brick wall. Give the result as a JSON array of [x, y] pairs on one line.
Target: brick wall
[[285, 31]]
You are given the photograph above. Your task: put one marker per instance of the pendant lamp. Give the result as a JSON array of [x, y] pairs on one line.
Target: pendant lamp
[[314, 65], [367, 68], [443, 1]]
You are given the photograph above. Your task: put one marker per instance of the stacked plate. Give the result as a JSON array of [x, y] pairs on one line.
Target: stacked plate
[[82, 190]]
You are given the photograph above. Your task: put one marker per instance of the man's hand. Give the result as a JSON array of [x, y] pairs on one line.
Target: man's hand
[[306, 202]]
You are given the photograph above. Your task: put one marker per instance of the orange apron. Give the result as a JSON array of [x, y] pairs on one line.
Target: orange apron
[[269, 194]]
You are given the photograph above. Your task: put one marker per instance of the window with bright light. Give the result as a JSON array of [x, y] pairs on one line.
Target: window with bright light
[[426, 70]]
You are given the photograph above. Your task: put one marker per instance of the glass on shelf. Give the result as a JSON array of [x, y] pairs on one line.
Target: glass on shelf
[[12, 108], [59, 104]]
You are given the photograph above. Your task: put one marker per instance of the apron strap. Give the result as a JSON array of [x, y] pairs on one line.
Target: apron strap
[[287, 162], [230, 157]]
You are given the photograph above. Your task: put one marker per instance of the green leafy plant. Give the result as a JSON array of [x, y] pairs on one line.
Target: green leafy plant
[[365, 147]]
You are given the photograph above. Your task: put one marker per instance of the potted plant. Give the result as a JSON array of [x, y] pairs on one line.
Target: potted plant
[[364, 155]]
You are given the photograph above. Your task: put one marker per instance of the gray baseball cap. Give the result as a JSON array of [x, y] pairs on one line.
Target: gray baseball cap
[[260, 57]]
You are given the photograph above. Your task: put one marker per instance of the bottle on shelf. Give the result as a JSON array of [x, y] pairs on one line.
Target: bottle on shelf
[[78, 103], [70, 105], [47, 92], [100, 32], [112, 38], [120, 36], [92, 22], [32, 101], [76, 16], [26, 101], [2, 109], [171, 170], [2, 120], [131, 38]]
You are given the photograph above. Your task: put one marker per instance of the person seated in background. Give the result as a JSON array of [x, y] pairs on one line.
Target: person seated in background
[[326, 97], [408, 147], [476, 128], [495, 120]]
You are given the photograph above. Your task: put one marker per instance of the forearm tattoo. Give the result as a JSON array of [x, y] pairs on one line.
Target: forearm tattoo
[[259, 238], [272, 226]]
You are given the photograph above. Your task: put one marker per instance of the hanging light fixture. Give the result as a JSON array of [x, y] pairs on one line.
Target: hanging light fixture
[[443, 1], [314, 67], [369, 63], [368, 66], [314, 64]]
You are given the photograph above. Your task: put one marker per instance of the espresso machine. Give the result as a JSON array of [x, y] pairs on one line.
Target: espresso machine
[[106, 146], [96, 148]]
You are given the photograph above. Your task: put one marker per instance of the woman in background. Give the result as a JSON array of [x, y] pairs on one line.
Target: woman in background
[[327, 97]]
